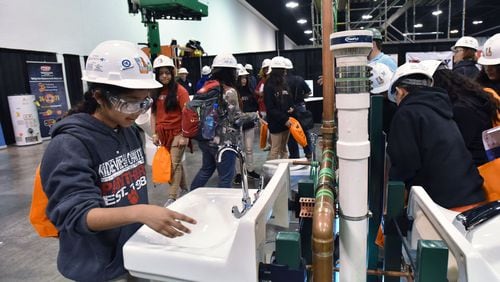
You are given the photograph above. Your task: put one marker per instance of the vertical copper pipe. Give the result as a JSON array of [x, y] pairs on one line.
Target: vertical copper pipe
[[324, 209]]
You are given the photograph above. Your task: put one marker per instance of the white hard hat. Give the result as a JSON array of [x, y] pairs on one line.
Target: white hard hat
[[120, 63], [163, 61], [491, 51], [242, 71], [265, 63], [467, 42], [405, 70], [205, 70], [224, 61], [380, 78], [433, 65], [288, 64], [248, 67], [277, 62], [182, 71]]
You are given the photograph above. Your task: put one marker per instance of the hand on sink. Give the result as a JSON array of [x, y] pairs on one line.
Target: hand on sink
[[165, 221]]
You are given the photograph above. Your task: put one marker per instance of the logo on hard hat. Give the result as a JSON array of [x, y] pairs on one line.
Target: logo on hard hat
[[126, 64], [487, 52], [144, 67]]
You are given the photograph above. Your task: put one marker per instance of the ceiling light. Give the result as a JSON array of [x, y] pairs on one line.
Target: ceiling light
[[437, 13], [453, 31], [477, 22], [308, 31], [362, 27], [292, 4], [366, 17], [302, 21], [419, 25], [312, 39]]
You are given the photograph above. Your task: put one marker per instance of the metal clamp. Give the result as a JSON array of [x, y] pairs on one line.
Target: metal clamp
[[355, 218]]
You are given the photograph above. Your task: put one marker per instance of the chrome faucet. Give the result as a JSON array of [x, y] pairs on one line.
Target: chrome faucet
[[247, 202]]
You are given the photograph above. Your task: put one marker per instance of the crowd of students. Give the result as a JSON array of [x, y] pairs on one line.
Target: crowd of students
[[94, 168]]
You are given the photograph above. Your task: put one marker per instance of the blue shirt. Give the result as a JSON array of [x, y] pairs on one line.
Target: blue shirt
[[386, 60]]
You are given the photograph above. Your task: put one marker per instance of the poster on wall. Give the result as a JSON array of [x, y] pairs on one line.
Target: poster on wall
[[47, 84], [443, 56]]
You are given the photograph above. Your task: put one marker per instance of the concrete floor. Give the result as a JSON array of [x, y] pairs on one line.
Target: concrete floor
[[24, 255]]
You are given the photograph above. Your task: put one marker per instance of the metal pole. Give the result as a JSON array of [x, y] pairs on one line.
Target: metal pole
[[348, 16], [449, 18], [385, 37], [414, 20], [463, 18], [437, 23]]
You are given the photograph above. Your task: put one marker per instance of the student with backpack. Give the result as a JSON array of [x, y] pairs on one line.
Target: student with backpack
[[166, 120], [93, 171], [223, 79]]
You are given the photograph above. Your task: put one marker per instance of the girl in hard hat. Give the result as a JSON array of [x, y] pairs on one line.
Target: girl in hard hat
[[93, 170], [166, 121], [224, 74], [474, 110], [259, 94], [425, 146], [279, 105], [490, 62], [248, 104], [464, 56]]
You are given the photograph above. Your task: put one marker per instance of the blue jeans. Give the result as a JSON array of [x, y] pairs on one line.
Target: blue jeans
[[225, 169]]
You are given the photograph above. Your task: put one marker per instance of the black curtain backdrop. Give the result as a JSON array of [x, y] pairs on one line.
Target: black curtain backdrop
[[14, 80], [73, 78]]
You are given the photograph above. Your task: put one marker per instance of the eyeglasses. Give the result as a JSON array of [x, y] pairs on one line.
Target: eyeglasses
[[458, 50], [128, 107]]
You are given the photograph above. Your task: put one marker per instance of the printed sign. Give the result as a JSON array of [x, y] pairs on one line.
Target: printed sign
[[47, 84]]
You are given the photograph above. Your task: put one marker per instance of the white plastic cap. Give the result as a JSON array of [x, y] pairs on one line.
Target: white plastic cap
[[404, 70], [380, 78], [277, 62], [224, 61], [467, 42], [206, 70], [183, 71], [120, 63], [163, 61], [265, 63], [491, 51], [248, 67], [432, 65]]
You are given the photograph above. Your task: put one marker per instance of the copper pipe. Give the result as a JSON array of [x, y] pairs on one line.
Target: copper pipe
[[376, 272], [324, 208], [301, 162]]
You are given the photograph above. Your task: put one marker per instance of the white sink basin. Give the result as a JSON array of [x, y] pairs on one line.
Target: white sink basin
[[473, 255], [220, 246]]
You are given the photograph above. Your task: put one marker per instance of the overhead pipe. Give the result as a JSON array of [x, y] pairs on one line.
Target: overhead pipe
[[352, 88], [324, 208]]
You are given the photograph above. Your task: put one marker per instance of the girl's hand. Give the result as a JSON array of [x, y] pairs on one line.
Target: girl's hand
[[183, 141], [165, 221]]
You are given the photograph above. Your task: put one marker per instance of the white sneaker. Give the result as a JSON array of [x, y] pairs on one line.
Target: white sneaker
[[168, 202]]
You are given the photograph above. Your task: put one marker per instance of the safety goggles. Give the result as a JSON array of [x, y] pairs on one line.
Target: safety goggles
[[128, 107]]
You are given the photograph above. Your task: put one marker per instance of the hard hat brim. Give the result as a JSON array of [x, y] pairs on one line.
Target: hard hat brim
[[488, 62], [127, 83]]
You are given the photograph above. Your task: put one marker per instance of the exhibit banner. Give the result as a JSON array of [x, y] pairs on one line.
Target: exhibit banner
[[47, 84], [24, 117]]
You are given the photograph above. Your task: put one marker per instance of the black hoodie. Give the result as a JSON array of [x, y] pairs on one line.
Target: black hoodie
[[426, 149], [466, 68], [90, 165]]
